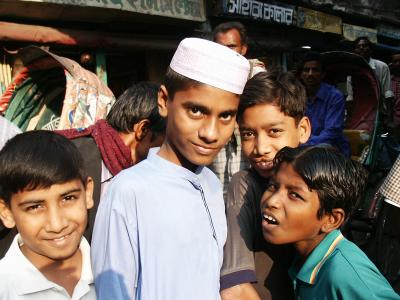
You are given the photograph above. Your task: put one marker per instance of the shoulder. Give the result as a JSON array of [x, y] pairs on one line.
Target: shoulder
[[210, 176], [379, 63], [350, 270], [244, 186], [332, 90]]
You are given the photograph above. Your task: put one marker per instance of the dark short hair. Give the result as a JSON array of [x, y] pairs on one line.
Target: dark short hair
[[338, 180], [137, 103], [276, 88], [175, 82], [311, 56], [224, 27], [365, 38], [38, 159]]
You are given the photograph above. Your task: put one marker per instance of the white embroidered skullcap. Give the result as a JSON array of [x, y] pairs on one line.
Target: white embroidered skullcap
[[212, 64]]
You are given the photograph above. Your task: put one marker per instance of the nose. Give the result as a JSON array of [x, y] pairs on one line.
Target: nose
[[270, 200], [209, 131], [56, 220], [263, 145]]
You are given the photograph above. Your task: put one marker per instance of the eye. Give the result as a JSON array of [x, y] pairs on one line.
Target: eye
[[246, 134], [226, 117], [295, 196], [272, 187], [195, 112], [68, 198], [33, 208], [275, 132]]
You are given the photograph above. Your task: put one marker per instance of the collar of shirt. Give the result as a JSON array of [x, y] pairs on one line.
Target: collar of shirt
[[309, 270], [323, 92], [31, 280], [168, 167]]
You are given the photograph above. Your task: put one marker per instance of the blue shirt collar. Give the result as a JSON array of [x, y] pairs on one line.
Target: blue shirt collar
[[309, 270], [172, 168], [322, 91]]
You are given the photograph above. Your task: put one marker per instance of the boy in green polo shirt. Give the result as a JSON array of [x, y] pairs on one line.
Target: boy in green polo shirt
[[312, 192]]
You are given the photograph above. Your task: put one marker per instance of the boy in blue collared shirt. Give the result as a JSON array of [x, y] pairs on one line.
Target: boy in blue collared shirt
[[311, 194]]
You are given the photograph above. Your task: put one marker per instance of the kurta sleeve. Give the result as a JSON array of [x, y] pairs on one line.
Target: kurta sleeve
[[238, 265], [115, 244]]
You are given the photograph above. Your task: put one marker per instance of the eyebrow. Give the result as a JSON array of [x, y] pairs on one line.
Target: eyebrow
[[37, 201], [297, 188], [193, 104], [263, 126], [205, 109]]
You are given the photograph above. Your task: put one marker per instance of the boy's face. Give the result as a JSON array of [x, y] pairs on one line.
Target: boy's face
[[265, 130], [289, 211], [51, 220], [200, 121]]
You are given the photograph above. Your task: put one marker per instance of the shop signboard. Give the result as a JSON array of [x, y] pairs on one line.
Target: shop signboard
[[279, 13], [389, 31], [181, 9], [352, 32], [316, 20]]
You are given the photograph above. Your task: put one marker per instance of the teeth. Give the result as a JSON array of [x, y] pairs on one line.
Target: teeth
[[60, 239], [269, 218]]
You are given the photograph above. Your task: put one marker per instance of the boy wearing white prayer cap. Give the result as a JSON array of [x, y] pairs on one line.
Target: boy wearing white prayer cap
[[160, 229]]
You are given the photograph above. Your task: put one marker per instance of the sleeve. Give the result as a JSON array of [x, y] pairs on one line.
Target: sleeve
[[334, 121], [385, 83], [349, 88], [115, 245], [238, 265]]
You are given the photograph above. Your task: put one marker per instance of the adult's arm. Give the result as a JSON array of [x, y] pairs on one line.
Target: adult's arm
[[385, 82], [114, 244]]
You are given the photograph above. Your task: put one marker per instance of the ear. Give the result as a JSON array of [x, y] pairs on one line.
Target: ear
[[141, 129], [162, 101], [89, 192], [6, 215], [244, 50], [304, 128], [333, 220]]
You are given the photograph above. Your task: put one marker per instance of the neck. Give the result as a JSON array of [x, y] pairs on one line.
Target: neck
[[305, 247], [170, 153], [65, 272], [312, 91]]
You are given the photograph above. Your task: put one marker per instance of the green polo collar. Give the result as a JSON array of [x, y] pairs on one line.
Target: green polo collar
[[309, 270]]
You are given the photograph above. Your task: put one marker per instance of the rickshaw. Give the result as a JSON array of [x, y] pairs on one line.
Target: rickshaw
[[53, 92], [366, 133]]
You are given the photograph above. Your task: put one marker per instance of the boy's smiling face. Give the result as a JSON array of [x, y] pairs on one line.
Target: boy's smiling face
[[200, 121], [51, 221], [265, 130], [289, 210]]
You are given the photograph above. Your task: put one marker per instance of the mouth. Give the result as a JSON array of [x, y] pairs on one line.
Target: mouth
[[264, 165], [59, 241], [204, 150], [269, 219]]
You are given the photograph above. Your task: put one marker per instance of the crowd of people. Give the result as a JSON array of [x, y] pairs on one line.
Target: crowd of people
[[227, 181]]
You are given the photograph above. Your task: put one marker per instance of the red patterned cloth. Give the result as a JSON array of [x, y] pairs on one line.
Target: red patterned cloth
[[116, 155]]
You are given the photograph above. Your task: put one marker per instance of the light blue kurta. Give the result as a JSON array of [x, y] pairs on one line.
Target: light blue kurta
[[159, 234]]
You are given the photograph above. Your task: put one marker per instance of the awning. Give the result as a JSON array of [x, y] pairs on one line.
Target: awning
[[50, 35]]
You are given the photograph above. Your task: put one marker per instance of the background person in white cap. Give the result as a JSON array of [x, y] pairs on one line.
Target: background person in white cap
[[161, 228]]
